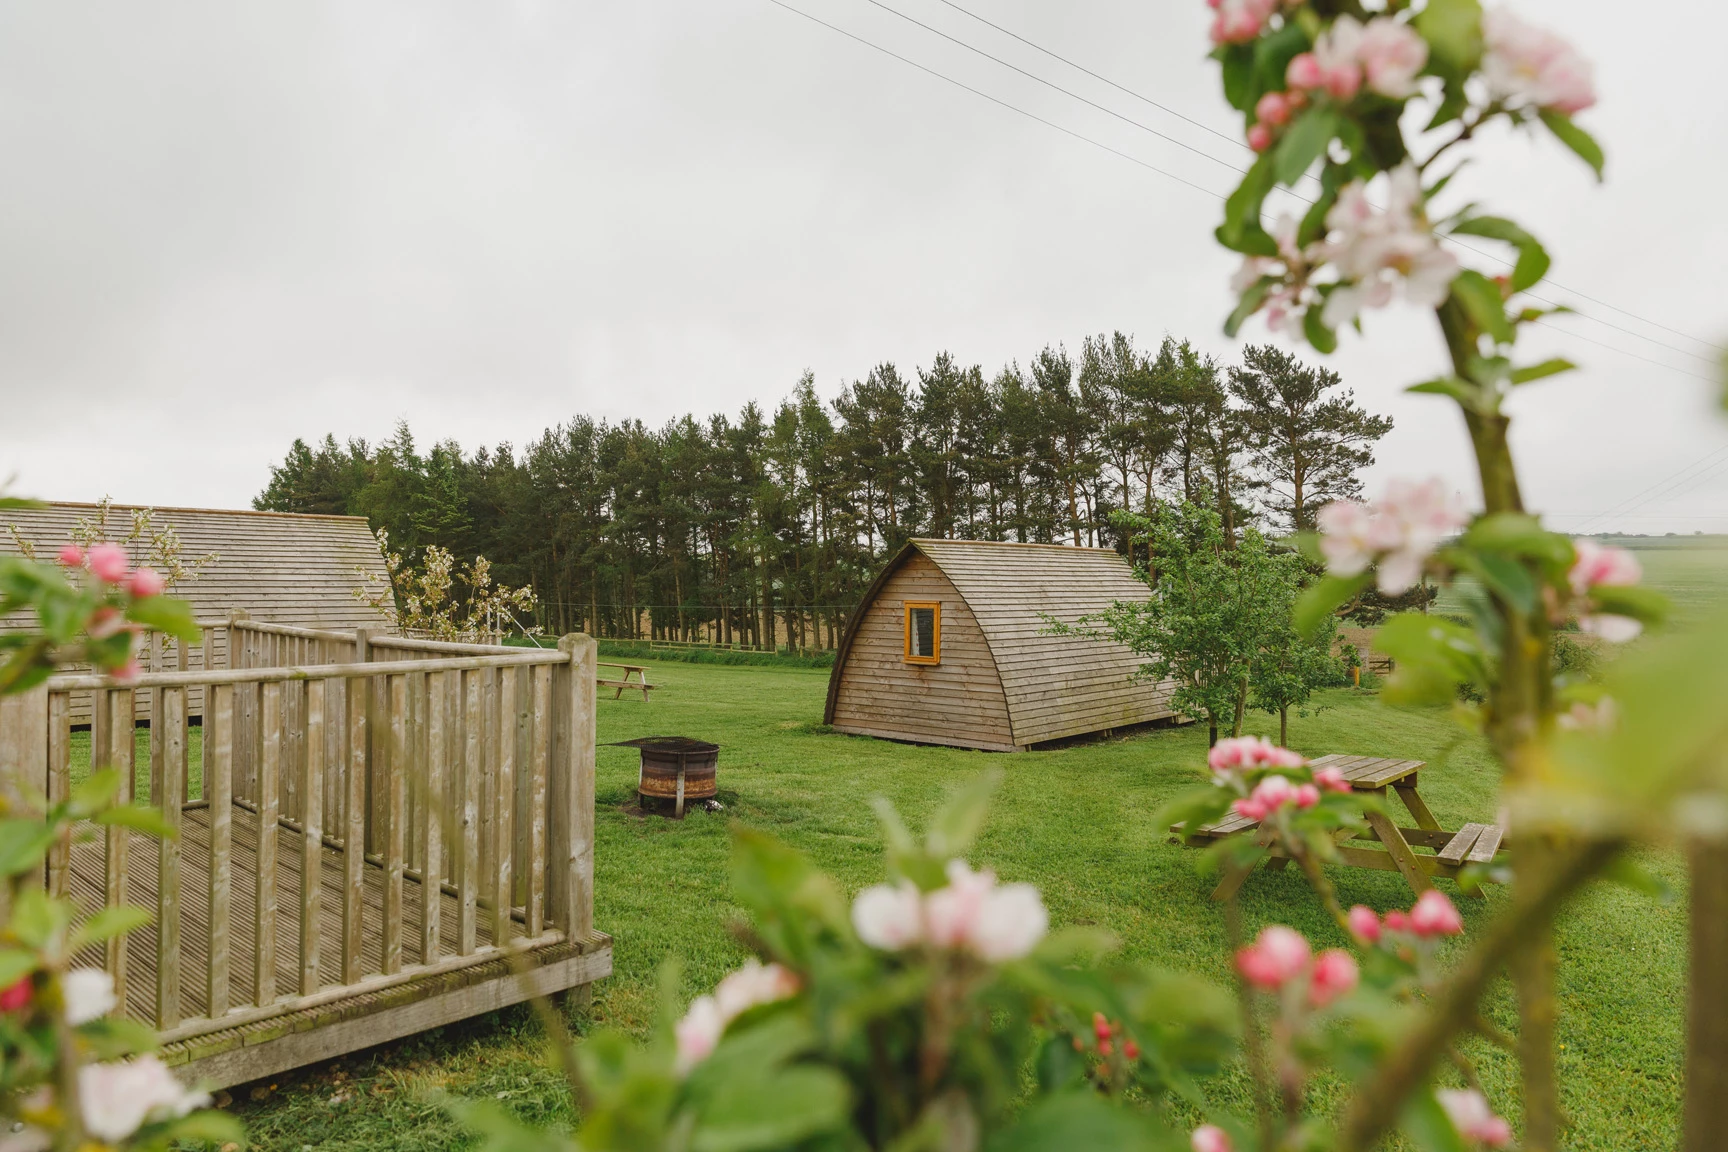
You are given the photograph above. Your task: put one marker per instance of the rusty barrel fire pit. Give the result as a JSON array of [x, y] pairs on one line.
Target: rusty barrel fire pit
[[676, 770]]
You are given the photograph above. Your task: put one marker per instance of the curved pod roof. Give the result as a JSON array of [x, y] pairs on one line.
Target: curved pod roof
[[1054, 686]]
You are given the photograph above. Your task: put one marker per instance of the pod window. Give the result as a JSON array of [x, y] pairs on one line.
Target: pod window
[[923, 632]]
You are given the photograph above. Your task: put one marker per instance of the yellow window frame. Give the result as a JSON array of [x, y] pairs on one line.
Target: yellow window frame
[[935, 608]]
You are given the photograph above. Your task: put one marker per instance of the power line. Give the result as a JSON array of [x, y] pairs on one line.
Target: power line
[[1053, 86], [995, 100], [1620, 509], [1162, 172], [1648, 360], [1675, 492], [1217, 160]]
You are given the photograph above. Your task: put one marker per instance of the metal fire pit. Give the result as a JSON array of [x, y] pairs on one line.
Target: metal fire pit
[[675, 771]]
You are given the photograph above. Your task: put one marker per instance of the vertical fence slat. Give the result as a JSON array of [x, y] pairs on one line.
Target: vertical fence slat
[[489, 731], [312, 838], [570, 838], [59, 786], [269, 784], [394, 778], [219, 791], [123, 744], [503, 801], [534, 898], [354, 831], [168, 769], [468, 860], [432, 813]]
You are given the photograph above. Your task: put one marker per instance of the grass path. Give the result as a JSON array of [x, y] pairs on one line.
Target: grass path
[[1075, 821]]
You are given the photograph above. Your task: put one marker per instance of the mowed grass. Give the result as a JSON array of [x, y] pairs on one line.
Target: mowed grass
[[1076, 821]]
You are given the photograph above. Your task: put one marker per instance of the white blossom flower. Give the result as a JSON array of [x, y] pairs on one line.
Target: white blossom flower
[[1392, 55], [889, 917], [1376, 251], [1397, 533], [993, 923], [117, 1099], [755, 983], [88, 994], [1527, 65], [1472, 1117], [698, 1033]]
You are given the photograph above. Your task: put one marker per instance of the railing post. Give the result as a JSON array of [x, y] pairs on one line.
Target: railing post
[[23, 750], [570, 839]]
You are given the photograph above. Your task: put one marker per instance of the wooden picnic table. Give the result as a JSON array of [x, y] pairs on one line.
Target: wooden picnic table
[[640, 671], [1471, 844]]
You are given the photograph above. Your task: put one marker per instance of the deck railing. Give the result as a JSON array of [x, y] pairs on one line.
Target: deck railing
[[341, 826]]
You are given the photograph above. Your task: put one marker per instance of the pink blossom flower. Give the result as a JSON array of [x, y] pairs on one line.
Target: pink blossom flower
[[1277, 956], [1378, 251], [1306, 796], [1334, 975], [1401, 531], [1472, 1117], [72, 556], [145, 582], [15, 995], [1273, 108], [1331, 779], [105, 622], [1529, 66], [1346, 536], [1602, 565], [889, 917], [1304, 73], [109, 563], [1271, 794], [1336, 54], [1364, 924], [1234, 752], [995, 924], [1397, 921], [1239, 21], [1259, 137], [1210, 1138], [1391, 55], [117, 1099], [1435, 915], [755, 983], [697, 1034], [128, 672]]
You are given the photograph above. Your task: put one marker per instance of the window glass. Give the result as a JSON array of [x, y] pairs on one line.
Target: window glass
[[923, 644]]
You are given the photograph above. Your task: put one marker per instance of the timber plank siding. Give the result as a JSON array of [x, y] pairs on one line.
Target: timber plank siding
[[1003, 682]]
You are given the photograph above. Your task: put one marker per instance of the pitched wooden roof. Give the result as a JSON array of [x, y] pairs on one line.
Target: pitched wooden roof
[[281, 567], [1056, 686]]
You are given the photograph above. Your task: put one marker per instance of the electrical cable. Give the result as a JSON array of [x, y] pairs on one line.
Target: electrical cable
[[1619, 508]]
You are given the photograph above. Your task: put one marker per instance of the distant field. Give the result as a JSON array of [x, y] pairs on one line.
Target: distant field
[[1691, 570]]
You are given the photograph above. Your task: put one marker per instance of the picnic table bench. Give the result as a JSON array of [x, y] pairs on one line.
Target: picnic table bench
[[1471, 844], [640, 671]]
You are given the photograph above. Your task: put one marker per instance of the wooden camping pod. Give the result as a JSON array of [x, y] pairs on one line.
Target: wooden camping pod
[[951, 645]]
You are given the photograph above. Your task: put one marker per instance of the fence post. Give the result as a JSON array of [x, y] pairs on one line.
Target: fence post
[[23, 751], [570, 837]]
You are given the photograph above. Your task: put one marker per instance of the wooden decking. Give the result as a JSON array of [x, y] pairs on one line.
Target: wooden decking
[[87, 874]]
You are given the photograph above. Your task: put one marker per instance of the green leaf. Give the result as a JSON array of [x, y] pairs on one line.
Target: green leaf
[[37, 919], [1533, 260], [1324, 597], [1628, 874], [1314, 327], [15, 964], [1249, 304], [1238, 64], [1242, 230], [1464, 391], [501, 1132], [23, 845], [1453, 29], [1434, 655], [1427, 1124], [1644, 604], [165, 614], [957, 823], [1272, 56], [1508, 579], [1575, 138], [1518, 534], [779, 1111], [1540, 371], [209, 1126], [1482, 300], [107, 923], [138, 818], [1303, 143]]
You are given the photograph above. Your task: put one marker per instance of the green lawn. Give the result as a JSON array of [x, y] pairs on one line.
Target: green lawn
[[1075, 821]]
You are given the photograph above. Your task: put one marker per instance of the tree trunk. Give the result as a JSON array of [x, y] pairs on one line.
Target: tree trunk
[[1241, 706], [1211, 731], [1284, 726], [1706, 1110]]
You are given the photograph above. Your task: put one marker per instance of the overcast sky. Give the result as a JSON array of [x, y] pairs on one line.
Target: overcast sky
[[223, 226]]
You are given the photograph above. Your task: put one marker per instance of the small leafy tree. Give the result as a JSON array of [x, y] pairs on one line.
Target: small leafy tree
[[1210, 610], [152, 543], [1290, 663], [424, 600]]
